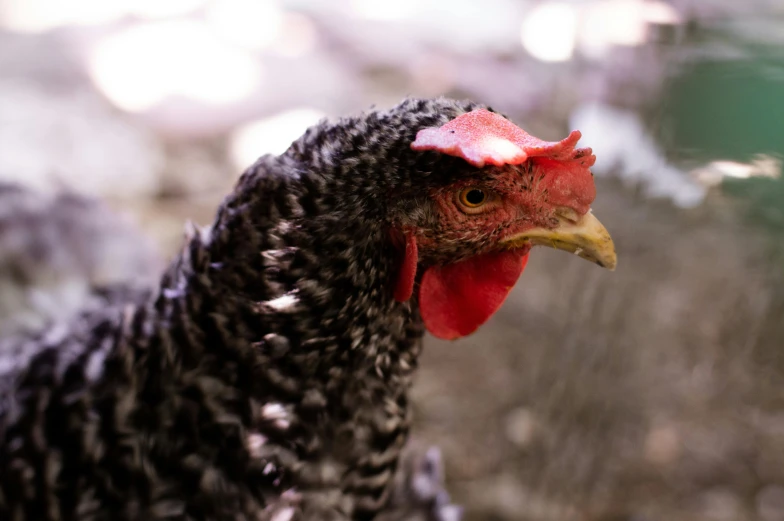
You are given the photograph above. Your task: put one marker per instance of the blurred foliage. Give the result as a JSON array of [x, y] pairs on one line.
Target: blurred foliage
[[728, 109], [731, 108]]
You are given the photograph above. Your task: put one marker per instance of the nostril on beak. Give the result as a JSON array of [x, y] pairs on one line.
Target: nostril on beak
[[567, 213]]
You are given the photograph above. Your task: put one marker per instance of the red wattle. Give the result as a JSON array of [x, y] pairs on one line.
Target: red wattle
[[404, 287], [456, 299]]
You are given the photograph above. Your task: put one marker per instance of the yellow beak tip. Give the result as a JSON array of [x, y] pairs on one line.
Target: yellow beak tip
[[587, 238]]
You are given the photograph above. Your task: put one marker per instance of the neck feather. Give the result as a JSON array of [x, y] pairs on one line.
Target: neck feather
[[292, 303]]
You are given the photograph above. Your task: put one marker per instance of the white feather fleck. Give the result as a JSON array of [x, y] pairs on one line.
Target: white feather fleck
[[277, 414], [284, 303], [255, 442], [286, 514], [94, 366]]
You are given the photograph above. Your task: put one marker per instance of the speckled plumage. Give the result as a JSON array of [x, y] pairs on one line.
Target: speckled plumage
[[267, 378]]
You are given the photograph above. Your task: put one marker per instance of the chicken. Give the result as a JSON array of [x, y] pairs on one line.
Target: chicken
[[61, 254], [266, 377]]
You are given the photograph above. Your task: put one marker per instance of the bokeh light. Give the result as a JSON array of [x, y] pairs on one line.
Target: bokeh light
[[609, 23], [384, 9], [143, 65], [271, 135], [249, 23], [549, 31], [35, 16]]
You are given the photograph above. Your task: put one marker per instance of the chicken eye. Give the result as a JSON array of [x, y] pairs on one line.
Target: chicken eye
[[473, 197]]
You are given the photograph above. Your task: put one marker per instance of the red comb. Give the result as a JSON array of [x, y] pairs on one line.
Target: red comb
[[481, 137]]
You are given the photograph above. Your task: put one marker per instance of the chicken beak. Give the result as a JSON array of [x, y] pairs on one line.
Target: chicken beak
[[586, 238]]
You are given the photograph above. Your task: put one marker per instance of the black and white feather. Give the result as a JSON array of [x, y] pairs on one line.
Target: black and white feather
[[266, 378]]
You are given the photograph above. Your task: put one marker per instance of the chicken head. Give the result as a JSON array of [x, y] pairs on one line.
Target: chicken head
[[470, 238]]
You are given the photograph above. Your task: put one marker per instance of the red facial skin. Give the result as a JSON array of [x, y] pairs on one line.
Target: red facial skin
[[519, 198], [531, 181]]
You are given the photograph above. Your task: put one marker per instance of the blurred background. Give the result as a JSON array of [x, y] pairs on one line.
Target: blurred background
[[652, 393]]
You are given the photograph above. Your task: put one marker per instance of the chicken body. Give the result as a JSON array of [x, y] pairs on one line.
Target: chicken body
[[267, 376], [270, 360]]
